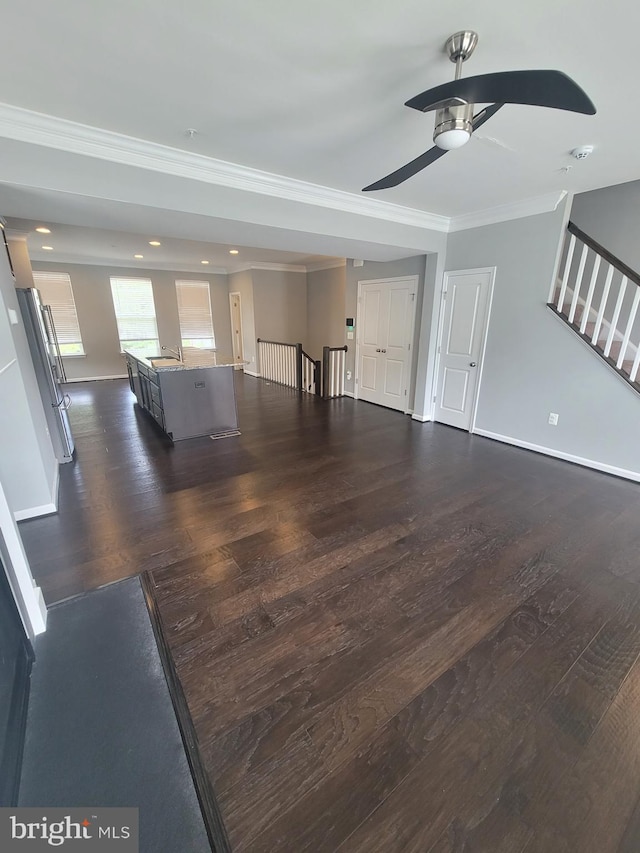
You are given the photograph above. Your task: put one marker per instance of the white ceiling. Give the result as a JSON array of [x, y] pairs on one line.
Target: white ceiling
[[84, 245], [315, 90]]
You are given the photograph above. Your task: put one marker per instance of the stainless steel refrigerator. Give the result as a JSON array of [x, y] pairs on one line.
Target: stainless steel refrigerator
[[49, 368]]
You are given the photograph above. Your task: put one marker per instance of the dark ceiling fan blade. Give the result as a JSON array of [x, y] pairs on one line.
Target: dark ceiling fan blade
[[428, 157], [538, 88], [407, 171], [484, 115]]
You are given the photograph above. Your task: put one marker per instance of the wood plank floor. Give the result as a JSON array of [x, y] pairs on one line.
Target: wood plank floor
[[392, 636]]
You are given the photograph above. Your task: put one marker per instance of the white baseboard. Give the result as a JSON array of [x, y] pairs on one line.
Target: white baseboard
[[95, 378], [251, 373], [42, 608], [422, 418], [350, 394], [35, 512], [560, 454], [44, 509], [56, 485]]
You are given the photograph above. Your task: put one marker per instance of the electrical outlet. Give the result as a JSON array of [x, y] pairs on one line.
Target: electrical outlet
[[553, 418], [348, 374]]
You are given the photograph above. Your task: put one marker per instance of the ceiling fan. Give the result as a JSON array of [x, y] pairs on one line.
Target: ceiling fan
[[454, 103]]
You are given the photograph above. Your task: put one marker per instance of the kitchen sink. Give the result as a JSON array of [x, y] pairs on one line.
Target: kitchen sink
[[165, 361]]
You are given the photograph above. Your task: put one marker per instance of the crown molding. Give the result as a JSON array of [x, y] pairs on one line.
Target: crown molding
[[503, 212], [53, 132], [327, 265], [272, 267], [12, 234], [157, 266]]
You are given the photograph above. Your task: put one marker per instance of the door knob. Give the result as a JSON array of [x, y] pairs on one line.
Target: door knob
[[378, 350], [472, 364], [383, 350]]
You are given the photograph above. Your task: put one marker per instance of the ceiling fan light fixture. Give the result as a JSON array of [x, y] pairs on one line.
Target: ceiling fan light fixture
[[450, 139], [453, 127]]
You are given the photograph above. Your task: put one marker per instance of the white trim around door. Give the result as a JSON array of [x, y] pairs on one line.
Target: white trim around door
[[473, 353], [237, 339]]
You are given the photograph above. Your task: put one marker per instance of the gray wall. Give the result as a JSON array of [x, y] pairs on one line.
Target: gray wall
[[27, 462], [392, 269], [326, 313], [612, 216], [280, 305], [534, 364], [92, 293]]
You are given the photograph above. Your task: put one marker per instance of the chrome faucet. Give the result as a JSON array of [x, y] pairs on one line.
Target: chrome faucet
[[177, 351]]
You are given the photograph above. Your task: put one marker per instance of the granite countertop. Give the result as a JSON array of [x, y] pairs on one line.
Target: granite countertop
[[193, 358]]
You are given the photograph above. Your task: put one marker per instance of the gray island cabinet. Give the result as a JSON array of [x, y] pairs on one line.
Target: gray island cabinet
[[188, 396]]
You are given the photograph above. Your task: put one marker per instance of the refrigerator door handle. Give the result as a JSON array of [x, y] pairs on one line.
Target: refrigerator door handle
[[64, 404], [56, 345]]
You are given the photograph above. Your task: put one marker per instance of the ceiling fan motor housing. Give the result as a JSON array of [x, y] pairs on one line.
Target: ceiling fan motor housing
[[453, 118]]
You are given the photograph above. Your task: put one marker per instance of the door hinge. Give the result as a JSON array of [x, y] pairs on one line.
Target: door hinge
[[434, 399], [408, 346], [405, 392], [413, 296], [439, 350], [444, 294]]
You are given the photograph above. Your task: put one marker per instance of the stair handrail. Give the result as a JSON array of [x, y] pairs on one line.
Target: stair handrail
[[608, 256], [614, 343]]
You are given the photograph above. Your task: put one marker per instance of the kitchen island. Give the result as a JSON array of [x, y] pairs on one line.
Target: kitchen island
[[190, 394]]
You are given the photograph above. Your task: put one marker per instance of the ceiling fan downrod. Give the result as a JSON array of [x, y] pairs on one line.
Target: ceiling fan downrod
[[454, 123]]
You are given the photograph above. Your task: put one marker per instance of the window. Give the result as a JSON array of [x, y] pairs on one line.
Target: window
[[135, 314], [194, 311], [56, 291]]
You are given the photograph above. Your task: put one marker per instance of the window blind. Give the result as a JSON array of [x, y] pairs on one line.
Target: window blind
[[194, 311], [56, 291], [135, 313]]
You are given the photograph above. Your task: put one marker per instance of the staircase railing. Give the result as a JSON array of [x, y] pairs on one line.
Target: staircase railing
[[598, 296], [333, 370], [288, 364]]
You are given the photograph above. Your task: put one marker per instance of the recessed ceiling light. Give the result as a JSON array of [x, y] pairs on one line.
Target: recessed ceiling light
[[204, 262], [48, 248], [233, 251], [155, 243], [43, 230], [138, 256]]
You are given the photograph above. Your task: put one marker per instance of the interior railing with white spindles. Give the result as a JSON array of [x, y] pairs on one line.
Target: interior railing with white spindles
[[598, 296], [288, 364], [333, 371]]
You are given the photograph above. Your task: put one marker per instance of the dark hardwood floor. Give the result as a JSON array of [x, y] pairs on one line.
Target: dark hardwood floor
[[392, 636]]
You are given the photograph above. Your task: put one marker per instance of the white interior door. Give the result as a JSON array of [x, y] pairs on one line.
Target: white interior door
[[236, 327], [386, 316], [466, 308]]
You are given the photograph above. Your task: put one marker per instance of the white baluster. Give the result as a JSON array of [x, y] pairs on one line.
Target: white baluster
[[578, 283], [616, 315], [603, 305], [635, 365], [590, 292], [567, 271], [627, 331]]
